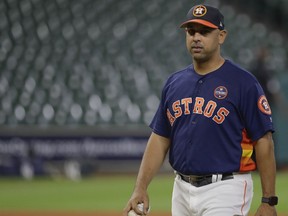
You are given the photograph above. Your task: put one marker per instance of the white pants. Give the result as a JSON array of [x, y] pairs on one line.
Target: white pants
[[231, 197]]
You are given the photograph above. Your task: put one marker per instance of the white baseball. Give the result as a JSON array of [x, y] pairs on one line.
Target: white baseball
[[140, 207], [132, 213]]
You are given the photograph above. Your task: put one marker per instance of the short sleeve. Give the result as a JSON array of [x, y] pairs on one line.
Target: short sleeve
[[160, 123], [256, 112]]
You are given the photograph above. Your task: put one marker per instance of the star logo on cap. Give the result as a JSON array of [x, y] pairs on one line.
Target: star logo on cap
[[199, 11]]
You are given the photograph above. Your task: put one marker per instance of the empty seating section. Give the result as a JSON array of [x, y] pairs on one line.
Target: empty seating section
[[90, 62]]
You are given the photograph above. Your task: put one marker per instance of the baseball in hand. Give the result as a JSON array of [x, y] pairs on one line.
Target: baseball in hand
[[132, 213], [140, 207]]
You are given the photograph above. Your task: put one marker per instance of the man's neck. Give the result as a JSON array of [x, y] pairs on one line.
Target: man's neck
[[204, 68]]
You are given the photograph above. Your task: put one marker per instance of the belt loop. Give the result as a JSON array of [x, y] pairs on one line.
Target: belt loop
[[219, 177], [216, 177], [189, 179]]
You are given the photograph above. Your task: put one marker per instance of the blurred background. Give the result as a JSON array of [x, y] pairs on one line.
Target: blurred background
[[80, 80]]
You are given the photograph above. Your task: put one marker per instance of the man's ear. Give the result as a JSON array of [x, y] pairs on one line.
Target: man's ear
[[222, 36]]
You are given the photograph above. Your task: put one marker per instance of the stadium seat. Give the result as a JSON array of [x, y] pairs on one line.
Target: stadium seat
[[105, 62]]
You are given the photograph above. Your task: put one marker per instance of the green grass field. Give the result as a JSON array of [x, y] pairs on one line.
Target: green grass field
[[101, 193]]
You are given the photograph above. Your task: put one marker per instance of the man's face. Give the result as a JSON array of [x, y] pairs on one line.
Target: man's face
[[203, 42]]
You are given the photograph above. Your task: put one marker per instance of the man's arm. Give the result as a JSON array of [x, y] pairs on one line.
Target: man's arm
[[266, 164], [154, 155]]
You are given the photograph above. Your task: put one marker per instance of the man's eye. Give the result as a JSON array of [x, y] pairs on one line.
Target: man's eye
[[204, 32], [191, 31]]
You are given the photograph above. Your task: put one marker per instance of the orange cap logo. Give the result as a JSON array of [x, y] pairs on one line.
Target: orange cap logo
[[199, 11]]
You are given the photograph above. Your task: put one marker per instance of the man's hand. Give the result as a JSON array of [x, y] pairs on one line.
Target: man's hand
[[137, 198], [266, 210]]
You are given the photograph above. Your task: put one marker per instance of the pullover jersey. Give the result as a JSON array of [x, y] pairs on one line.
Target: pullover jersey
[[212, 120]]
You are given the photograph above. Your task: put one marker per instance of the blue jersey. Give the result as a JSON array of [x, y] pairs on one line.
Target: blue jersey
[[212, 120]]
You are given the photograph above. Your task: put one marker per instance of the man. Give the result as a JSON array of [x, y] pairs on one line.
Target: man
[[215, 121]]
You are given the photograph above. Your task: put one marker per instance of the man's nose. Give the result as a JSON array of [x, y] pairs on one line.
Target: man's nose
[[196, 36]]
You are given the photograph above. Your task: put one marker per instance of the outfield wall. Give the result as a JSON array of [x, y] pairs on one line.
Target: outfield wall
[[50, 155]]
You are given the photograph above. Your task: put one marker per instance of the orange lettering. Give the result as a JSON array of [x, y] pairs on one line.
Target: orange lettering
[[221, 114], [199, 102], [186, 102], [170, 117], [210, 108], [177, 109]]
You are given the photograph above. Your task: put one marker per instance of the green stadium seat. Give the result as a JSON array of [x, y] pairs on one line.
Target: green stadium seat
[[105, 62]]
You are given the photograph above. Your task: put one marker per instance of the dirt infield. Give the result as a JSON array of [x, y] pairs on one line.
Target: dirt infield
[[74, 214], [85, 214]]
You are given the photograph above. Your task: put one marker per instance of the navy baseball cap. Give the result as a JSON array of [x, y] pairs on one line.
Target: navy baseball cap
[[205, 15]]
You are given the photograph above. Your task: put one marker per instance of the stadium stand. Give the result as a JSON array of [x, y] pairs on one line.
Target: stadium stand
[[104, 62]]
